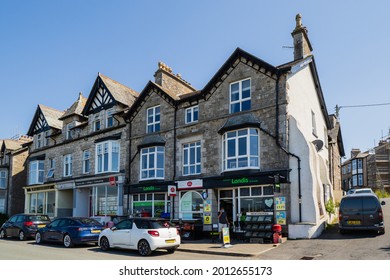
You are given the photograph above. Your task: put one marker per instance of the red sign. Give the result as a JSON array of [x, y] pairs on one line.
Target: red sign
[[112, 181], [172, 190], [189, 184]]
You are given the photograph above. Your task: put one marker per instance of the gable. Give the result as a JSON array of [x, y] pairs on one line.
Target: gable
[[99, 99], [38, 124]]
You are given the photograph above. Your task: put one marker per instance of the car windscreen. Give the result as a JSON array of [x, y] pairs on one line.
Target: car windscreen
[[152, 224], [39, 218]]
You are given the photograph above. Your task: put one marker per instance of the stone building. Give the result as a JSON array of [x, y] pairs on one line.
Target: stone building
[[13, 155], [254, 140], [370, 169], [78, 159]]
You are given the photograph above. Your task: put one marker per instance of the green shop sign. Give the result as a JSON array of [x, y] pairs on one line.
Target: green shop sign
[[241, 181], [148, 189]]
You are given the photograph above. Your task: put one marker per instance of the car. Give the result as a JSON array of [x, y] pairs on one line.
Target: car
[[70, 231], [23, 226], [143, 234], [362, 190], [361, 211]]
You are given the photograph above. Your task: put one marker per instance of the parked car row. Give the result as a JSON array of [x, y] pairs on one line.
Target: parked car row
[[142, 234]]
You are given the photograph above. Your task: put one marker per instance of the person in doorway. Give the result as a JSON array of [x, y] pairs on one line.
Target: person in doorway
[[222, 220]]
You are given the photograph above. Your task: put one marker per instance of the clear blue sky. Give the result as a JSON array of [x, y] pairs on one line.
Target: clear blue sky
[[52, 50]]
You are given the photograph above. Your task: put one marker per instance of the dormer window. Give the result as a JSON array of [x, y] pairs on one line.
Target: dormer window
[[69, 133], [240, 96]]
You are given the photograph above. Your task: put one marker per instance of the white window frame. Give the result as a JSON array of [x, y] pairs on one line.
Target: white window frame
[[3, 178], [110, 115], [151, 155], [104, 151], [236, 158], [39, 172], [86, 161], [47, 138], [69, 127], [68, 165], [52, 166], [38, 143], [151, 112], [191, 112], [96, 120], [240, 99], [187, 165]]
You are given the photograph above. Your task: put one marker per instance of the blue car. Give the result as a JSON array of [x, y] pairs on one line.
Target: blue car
[[70, 231]]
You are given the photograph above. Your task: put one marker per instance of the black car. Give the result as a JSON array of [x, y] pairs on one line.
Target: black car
[[23, 225], [361, 211]]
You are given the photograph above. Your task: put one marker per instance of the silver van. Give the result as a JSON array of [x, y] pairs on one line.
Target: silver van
[[361, 211]]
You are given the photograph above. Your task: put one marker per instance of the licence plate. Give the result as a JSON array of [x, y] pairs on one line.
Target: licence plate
[[41, 226], [170, 241], [353, 222], [95, 231]]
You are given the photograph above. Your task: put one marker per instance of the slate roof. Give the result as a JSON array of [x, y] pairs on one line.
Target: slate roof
[[76, 108], [238, 121], [121, 93], [52, 116]]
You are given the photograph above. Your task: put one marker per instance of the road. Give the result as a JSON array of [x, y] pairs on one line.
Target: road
[[334, 246], [331, 245]]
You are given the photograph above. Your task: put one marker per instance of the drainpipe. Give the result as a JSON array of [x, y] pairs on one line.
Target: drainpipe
[[129, 169], [174, 159]]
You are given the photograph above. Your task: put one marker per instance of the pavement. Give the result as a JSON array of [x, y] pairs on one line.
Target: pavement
[[238, 248]]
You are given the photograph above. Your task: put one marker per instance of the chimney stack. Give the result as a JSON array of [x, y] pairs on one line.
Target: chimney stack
[[355, 152], [302, 46]]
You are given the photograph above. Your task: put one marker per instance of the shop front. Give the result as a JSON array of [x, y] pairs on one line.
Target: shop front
[[41, 199], [149, 200], [99, 197]]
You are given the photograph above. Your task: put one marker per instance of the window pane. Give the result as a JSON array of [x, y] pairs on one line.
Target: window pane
[[160, 161], [196, 114], [234, 108], [244, 192], [254, 146], [231, 148], [242, 146], [256, 191], [243, 162], [246, 105]]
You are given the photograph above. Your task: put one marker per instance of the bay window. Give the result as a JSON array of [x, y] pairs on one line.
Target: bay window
[[241, 149], [107, 157]]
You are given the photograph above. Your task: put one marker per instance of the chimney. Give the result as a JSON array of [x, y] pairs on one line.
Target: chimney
[[302, 46], [171, 82], [355, 152]]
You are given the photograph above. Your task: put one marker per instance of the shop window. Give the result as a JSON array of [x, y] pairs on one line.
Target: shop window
[[104, 201], [226, 193], [256, 191], [244, 191], [150, 205], [268, 190], [2, 205], [191, 205]]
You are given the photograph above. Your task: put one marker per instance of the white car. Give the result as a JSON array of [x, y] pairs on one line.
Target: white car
[[362, 190], [143, 234]]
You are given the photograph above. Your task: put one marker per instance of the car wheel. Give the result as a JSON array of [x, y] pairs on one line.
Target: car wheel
[[3, 234], [68, 241], [22, 236], [104, 244], [144, 248], [171, 250], [38, 238]]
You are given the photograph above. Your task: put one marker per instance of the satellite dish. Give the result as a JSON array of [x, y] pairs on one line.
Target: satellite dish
[[319, 144]]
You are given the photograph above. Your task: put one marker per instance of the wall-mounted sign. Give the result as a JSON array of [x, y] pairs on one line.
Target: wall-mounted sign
[[190, 184], [280, 203], [281, 217], [172, 190], [99, 181], [207, 219]]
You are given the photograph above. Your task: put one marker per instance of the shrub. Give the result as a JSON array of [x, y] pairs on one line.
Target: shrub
[[330, 207], [382, 194]]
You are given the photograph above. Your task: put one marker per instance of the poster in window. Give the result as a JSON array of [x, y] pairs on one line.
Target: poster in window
[[281, 217]]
